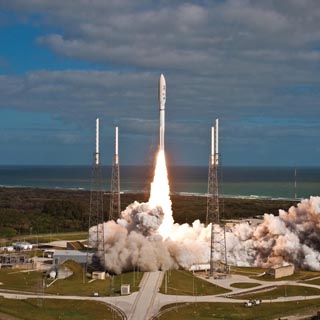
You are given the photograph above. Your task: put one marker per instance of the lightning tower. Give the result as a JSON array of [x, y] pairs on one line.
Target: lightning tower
[[218, 240], [115, 204], [96, 215]]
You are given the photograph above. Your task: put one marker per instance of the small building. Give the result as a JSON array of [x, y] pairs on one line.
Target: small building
[[99, 275], [280, 272], [125, 289], [200, 267]]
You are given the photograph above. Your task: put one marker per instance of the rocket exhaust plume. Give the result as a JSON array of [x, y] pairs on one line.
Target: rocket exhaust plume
[[160, 190], [134, 241]]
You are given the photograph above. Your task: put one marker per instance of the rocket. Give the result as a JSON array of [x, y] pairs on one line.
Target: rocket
[[162, 102], [97, 160], [215, 144]]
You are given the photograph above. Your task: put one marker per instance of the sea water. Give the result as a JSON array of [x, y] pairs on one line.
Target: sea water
[[254, 182]]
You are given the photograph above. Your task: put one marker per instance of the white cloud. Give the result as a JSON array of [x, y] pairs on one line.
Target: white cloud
[[234, 59]]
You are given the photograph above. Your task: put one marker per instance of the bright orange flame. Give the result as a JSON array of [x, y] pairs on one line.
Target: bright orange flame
[[160, 194]]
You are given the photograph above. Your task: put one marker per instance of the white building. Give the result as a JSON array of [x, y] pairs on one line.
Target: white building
[[22, 245]]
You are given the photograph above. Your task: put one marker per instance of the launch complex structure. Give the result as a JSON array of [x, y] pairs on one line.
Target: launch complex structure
[[96, 214], [218, 236], [218, 257], [115, 203]]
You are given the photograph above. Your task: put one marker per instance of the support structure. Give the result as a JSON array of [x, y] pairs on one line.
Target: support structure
[[95, 257], [218, 239], [115, 203]]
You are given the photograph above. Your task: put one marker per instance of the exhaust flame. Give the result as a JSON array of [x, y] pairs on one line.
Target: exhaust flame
[[160, 194]]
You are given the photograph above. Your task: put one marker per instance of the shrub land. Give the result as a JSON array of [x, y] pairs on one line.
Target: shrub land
[[25, 211]]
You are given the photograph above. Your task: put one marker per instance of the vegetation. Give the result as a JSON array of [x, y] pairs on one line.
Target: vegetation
[[52, 309], [182, 282], [236, 311], [281, 291], [315, 281], [15, 279], [79, 285], [244, 285], [299, 275], [27, 211], [248, 271]]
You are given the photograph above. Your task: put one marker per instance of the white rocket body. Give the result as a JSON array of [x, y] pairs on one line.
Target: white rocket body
[[97, 160], [116, 148], [162, 102], [215, 144]]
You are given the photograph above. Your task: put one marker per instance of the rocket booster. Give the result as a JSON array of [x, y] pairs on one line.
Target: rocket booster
[[162, 102]]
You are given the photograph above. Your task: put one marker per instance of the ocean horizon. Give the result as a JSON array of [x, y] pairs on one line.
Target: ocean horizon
[[248, 182]]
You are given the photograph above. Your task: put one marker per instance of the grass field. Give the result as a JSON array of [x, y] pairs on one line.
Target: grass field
[[48, 237], [77, 284], [245, 285], [183, 282], [50, 309], [13, 279], [236, 311], [281, 291], [315, 281], [299, 275], [247, 271]]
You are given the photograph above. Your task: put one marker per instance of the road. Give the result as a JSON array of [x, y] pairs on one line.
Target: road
[[143, 305]]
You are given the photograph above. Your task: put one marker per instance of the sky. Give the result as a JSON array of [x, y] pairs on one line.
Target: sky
[[252, 64]]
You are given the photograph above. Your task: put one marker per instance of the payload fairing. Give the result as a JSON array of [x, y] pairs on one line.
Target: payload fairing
[[162, 102]]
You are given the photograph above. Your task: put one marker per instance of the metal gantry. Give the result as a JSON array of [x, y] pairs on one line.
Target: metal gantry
[[95, 256], [115, 201], [218, 239]]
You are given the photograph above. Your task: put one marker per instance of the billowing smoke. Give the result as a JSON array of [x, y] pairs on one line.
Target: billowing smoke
[[133, 242]]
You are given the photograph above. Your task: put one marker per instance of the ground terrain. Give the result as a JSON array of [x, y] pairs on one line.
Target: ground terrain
[[27, 211]]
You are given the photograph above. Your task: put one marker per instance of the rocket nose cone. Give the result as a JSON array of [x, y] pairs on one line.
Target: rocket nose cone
[[162, 78], [162, 91]]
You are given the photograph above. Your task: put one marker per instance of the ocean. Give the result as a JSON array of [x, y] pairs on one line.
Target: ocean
[[247, 182]]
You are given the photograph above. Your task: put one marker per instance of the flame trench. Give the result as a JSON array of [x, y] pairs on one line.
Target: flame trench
[[160, 194]]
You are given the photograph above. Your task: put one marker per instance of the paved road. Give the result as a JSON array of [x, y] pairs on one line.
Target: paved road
[[143, 305]]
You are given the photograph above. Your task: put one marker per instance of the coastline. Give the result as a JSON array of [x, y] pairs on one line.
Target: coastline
[[177, 193]]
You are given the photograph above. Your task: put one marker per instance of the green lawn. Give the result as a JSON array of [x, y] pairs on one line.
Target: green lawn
[[183, 282], [281, 291], [15, 280], [247, 271], [52, 309], [48, 237], [245, 285], [78, 284], [316, 281], [236, 311], [299, 275]]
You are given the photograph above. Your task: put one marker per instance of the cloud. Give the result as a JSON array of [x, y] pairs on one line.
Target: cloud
[[237, 59]]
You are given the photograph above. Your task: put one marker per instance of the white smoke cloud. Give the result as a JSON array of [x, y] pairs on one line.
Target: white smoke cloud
[[134, 242]]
